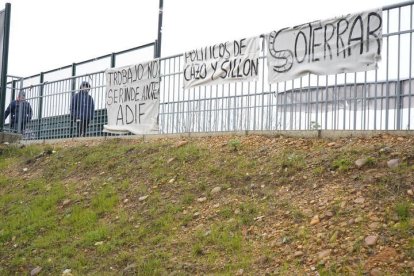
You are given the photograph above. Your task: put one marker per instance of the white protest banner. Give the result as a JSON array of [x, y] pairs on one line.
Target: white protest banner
[[132, 98], [350, 43], [236, 60]]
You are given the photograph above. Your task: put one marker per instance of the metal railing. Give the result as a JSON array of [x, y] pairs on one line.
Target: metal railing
[[374, 100]]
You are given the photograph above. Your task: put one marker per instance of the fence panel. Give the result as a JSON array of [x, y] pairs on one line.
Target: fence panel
[[373, 100]]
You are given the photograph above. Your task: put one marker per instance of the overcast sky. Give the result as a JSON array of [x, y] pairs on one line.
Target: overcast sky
[[46, 34]]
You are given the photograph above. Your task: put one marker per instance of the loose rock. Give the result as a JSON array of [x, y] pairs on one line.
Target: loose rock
[[315, 220], [66, 202], [361, 162], [374, 225], [298, 254], [215, 190], [181, 143], [67, 272], [35, 271], [201, 199], [323, 254], [371, 240], [375, 272], [393, 163], [359, 200], [142, 198]]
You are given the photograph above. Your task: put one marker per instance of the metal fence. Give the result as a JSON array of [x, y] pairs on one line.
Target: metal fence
[[373, 100]]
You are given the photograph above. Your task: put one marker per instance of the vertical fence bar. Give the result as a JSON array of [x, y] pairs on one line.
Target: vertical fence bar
[[5, 55], [355, 101], [13, 90], [387, 103], [113, 60], [409, 70], [72, 93], [39, 114], [398, 85]]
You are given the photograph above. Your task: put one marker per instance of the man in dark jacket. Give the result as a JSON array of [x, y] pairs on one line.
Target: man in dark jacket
[[20, 113], [82, 108]]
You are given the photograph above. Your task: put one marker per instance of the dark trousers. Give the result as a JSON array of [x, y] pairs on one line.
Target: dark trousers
[[14, 126], [82, 126]]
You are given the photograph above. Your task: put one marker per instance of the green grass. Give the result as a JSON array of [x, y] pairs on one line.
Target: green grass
[[234, 145], [245, 226], [402, 209], [342, 164]]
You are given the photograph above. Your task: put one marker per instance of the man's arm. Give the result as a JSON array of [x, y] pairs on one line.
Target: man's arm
[[73, 106], [29, 112]]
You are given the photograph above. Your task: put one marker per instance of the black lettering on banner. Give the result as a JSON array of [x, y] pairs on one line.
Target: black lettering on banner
[[339, 38], [325, 40], [130, 114], [296, 47], [234, 68], [223, 75], [128, 94], [128, 110], [124, 76], [314, 45], [213, 52], [195, 71], [121, 94], [372, 32], [358, 38], [139, 112], [238, 47], [115, 77], [247, 69], [285, 56], [187, 75], [150, 91], [187, 56], [115, 96], [255, 67], [109, 98], [214, 66], [222, 50], [153, 69], [136, 96], [120, 115], [251, 68], [310, 39], [139, 71], [242, 46], [110, 77]]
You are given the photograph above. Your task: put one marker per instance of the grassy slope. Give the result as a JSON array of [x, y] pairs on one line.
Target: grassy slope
[[82, 206]]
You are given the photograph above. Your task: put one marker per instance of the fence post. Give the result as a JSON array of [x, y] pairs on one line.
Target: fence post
[[5, 54], [73, 89], [113, 60], [159, 29], [155, 49], [39, 113], [399, 104], [13, 90]]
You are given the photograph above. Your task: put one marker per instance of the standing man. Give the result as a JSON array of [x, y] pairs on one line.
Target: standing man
[[82, 108], [20, 113]]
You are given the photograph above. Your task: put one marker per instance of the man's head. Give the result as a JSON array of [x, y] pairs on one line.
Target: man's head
[[21, 96], [85, 86]]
